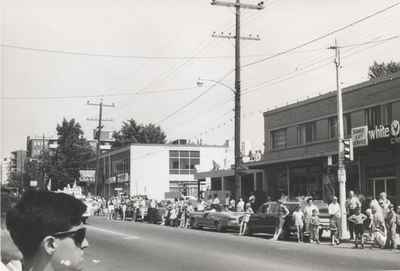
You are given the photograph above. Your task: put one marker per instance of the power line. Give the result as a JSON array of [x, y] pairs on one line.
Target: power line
[[97, 95], [192, 101], [322, 36]]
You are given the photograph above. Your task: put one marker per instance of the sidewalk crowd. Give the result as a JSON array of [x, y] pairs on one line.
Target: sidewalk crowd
[[376, 222]]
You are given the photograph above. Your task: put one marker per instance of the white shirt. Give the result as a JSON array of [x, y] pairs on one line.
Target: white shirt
[[334, 209]]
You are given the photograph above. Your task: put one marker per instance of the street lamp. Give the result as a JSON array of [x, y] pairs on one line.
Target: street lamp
[[236, 92]]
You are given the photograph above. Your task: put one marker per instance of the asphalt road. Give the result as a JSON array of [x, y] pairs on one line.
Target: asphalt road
[[116, 245]]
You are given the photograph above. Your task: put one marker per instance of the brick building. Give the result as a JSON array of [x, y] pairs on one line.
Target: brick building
[[301, 143]]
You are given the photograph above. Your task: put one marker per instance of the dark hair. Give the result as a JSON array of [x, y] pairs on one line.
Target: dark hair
[[39, 214]]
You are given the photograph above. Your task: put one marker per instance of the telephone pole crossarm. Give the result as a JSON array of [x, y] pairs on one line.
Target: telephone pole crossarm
[[260, 5]]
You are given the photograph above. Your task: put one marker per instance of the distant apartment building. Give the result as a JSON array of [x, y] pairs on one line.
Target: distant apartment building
[[36, 145], [17, 162], [5, 170], [301, 143]]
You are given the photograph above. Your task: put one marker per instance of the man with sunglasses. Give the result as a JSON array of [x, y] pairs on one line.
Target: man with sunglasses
[[46, 227]]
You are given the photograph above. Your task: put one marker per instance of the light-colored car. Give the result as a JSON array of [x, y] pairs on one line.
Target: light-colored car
[[217, 219]]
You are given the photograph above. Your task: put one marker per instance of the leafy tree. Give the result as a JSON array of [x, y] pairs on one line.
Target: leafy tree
[[378, 70], [131, 132], [63, 164]]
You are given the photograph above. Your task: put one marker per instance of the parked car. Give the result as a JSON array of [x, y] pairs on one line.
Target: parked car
[[217, 219], [264, 220]]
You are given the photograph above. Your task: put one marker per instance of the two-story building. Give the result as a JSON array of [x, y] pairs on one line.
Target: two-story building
[[156, 169], [301, 143]]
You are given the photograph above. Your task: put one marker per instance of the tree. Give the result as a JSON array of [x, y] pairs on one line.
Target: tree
[[131, 132], [63, 164], [378, 70]]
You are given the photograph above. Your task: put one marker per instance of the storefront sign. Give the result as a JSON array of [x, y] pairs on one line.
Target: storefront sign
[[123, 177], [110, 180], [87, 176], [359, 136], [392, 132], [33, 183]]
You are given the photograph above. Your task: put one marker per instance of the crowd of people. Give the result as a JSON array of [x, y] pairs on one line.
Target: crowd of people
[[376, 222]]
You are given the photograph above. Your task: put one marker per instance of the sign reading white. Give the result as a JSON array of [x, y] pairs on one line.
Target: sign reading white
[[87, 176], [359, 136]]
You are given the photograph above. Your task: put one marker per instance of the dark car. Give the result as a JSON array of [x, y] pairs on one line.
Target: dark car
[[265, 219]]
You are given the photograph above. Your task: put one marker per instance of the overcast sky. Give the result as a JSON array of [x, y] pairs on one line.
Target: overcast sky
[[136, 47]]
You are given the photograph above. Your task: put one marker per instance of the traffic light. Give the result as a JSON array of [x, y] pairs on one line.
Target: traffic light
[[348, 149]]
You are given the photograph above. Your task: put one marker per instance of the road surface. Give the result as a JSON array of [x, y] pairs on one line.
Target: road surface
[[116, 245]]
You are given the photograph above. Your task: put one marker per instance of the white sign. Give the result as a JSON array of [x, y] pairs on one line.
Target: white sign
[[87, 176], [123, 177], [33, 183], [359, 135]]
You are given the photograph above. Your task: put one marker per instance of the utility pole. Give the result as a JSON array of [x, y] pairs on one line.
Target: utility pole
[[237, 5], [341, 167], [98, 132]]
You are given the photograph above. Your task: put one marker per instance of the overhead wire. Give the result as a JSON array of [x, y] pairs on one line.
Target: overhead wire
[[323, 36]]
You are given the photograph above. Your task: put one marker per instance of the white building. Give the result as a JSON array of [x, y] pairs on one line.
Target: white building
[[155, 169], [5, 170]]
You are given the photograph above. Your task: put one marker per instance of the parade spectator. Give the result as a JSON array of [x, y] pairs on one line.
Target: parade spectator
[[216, 200], [384, 202], [352, 203], [227, 200], [391, 224], [245, 219], [334, 220], [283, 212], [378, 228], [308, 210], [358, 220], [123, 209], [314, 223], [298, 218], [110, 210], [232, 205], [47, 229], [240, 205], [201, 206], [252, 200]]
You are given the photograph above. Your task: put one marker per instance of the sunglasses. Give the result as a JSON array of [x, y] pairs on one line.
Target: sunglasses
[[78, 236]]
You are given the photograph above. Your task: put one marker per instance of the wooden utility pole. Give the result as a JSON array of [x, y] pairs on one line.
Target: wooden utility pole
[[237, 5], [98, 132]]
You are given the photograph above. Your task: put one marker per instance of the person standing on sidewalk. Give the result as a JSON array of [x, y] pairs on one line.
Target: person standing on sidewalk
[[240, 205], [334, 220], [314, 224], [391, 224], [358, 219], [298, 218], [352, 203], [308, 211], [245, 219], [283, 212]]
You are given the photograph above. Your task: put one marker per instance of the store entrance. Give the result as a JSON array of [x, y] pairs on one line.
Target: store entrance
[[382, 184]]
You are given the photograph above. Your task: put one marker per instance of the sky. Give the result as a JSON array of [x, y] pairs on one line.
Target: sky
[[146, 57]]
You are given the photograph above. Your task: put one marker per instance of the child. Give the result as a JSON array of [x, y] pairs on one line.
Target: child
[[358, 219], [245, 219], [333, 228], [314, 223], [298, 218]]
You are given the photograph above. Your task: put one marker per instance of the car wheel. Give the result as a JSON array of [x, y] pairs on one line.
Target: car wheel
[[219, 227]]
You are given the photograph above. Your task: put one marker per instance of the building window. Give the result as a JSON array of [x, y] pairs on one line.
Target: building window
[[386, 114], [278, 139], [373, 116], [306, 133], [183, 162], [333, 127], [347, 125]]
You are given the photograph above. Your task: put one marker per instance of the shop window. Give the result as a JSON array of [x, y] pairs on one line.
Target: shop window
[[333, 127], [279, 139], [306, 133]]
